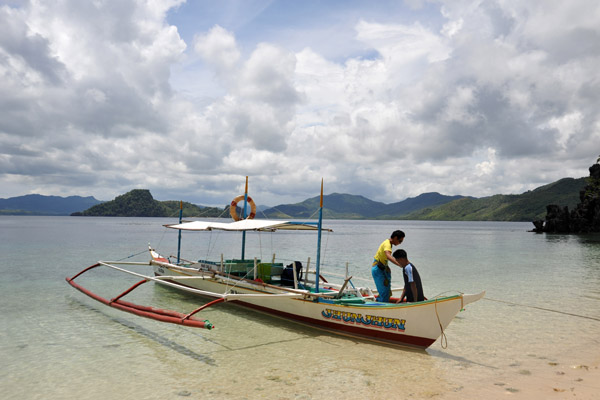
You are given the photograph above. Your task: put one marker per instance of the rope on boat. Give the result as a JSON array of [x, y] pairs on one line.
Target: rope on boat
[[444, 338], [133, 255], [542, 308], [324, 255], [260, 247], [161, 238], [212, 244]]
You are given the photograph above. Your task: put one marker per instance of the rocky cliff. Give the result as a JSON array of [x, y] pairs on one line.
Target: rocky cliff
[[585, 218]]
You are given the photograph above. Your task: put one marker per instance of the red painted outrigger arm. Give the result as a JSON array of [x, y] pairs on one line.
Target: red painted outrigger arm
[[158, 314]]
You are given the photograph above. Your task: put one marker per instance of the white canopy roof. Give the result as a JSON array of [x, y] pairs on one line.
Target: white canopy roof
[[244, 225]]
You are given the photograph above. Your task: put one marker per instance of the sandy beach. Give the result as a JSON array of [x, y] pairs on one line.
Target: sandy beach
[[553, 381]]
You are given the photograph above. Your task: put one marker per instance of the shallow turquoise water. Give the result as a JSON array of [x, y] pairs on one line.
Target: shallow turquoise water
[[57, 344]]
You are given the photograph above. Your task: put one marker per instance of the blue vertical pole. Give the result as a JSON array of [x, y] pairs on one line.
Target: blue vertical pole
[[318, 268], [244, 217], [179, 239]]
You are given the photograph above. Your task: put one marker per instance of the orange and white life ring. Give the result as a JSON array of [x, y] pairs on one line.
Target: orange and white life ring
[[233, 211]]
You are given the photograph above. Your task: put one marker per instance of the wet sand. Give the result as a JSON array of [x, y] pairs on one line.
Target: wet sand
[[554, 381]]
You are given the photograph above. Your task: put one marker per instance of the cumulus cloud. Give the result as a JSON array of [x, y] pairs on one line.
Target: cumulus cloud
[[258, 112], [94, 101], [218, 47]]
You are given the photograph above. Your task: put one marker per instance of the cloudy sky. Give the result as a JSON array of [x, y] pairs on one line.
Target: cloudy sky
[[385, 99]]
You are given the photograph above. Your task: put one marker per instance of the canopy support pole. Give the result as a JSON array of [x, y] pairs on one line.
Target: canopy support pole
[[318, 267], [179, 239]]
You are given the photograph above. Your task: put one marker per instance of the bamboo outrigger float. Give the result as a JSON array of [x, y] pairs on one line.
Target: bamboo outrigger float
[[158, 314], [308, 298]]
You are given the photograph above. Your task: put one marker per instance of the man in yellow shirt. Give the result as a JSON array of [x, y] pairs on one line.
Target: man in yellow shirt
[[382, 275]]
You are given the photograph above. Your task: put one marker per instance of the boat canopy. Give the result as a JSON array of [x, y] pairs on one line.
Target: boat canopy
[[245, 225]]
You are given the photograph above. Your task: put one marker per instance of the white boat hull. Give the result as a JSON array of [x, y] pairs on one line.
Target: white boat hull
[[412, 324]]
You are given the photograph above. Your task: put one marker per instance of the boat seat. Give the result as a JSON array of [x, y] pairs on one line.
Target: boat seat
[[270, 272]]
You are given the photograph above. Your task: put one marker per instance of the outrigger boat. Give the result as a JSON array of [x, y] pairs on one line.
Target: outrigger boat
[[285, 292]]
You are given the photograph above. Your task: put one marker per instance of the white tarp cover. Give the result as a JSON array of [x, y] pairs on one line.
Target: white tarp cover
[[243, 225]]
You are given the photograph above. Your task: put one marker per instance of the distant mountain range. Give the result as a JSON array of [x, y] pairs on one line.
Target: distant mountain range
[[37, 204], [528, 206], [346, 206]]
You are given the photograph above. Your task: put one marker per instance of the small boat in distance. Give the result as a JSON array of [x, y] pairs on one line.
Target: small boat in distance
[[290, 292]]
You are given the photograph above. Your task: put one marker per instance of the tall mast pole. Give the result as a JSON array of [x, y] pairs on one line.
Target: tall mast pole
[[244, 217]]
